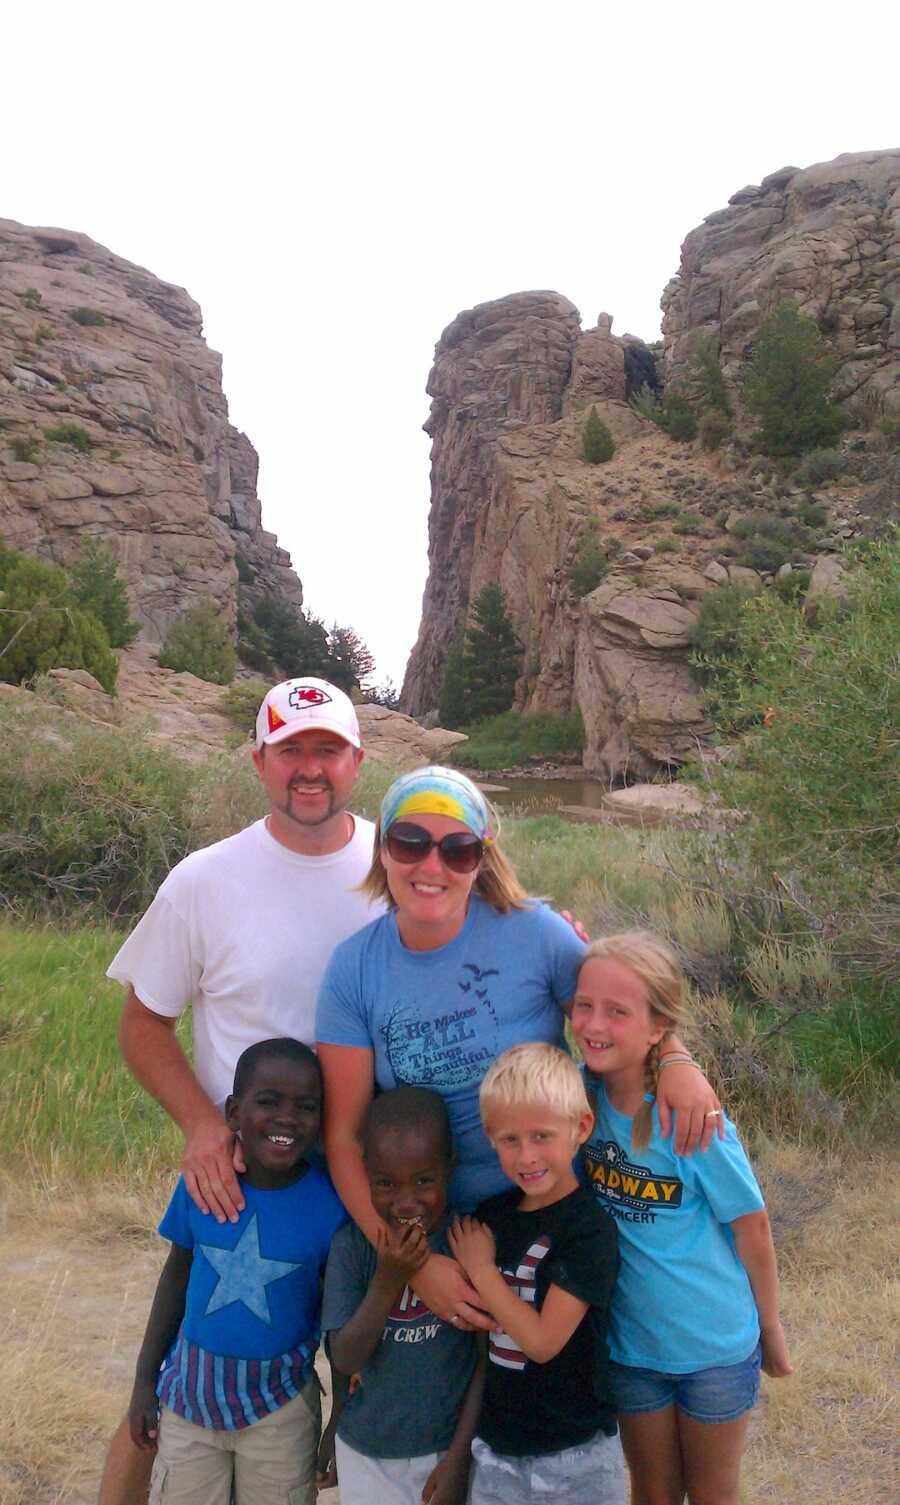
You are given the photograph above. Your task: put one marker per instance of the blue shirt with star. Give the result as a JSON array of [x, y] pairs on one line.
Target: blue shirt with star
[[254, 1286]]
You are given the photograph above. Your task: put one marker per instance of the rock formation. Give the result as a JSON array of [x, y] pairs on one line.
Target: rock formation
[[513, 499], [826, 237], [140, 453]]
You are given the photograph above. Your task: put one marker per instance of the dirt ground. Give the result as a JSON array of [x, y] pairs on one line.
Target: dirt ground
[[77, 1278]]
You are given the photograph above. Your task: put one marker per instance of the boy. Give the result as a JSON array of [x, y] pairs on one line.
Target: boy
[[405, 1433], [543, 1259], [235, 1320]]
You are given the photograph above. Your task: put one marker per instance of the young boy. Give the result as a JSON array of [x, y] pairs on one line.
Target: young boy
[[543, 1260], [405, 1433], [235, 1320]]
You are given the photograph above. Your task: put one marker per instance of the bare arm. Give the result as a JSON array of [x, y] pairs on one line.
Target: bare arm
[[756, 1252], [685, 1091], [151, 1050], [398, 1257], [163, 1323], [447, 1484], [349, 1077], [348, 1072], [540, 1334]]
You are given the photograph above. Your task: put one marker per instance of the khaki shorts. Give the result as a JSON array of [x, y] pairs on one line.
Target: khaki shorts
[[272, 1462]]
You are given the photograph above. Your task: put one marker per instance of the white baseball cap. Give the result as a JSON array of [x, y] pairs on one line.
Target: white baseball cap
[[306, 705]]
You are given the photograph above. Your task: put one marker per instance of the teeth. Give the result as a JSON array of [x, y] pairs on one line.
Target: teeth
[[280, 1139], [407, 1221], [427, 888]]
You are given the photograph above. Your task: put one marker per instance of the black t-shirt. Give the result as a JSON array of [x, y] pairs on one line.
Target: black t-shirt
[[532, 1408]]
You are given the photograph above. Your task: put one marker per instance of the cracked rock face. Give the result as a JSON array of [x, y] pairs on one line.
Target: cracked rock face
[[141, 454], [826, 238]]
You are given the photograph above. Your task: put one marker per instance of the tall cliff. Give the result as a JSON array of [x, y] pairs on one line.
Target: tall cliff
[[113, 423], [512, 499]]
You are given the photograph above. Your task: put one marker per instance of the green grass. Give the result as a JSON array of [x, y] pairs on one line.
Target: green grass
[[69, 1105], [511, 739]]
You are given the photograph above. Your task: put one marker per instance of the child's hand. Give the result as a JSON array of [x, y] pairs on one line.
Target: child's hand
[[448, 1482], [401, 1252], [326, 1463], [472, 1244], [776, 1360], [143, 1414]]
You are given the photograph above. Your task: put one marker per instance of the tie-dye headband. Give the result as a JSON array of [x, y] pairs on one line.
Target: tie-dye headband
[[436, 791]]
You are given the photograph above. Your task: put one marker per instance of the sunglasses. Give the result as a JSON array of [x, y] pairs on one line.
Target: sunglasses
[[461, 851]]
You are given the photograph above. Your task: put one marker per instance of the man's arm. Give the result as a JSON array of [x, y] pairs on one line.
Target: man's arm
[[152, 1052], [163, 1323]]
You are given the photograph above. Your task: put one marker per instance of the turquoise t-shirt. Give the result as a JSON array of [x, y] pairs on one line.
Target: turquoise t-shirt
[[682, 1300], [439, 1018]]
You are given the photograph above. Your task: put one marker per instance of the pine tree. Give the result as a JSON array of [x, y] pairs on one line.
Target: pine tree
[[99, 588], [787, 386], [598, 444], [199, 643], [492, 657], [351, 662], [453, 705], [706, 381]]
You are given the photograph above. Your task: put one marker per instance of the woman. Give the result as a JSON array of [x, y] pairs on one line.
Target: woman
[[463, 966]]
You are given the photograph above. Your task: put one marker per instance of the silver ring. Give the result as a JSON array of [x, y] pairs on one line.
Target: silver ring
[[713, 1113], [455, 1319]]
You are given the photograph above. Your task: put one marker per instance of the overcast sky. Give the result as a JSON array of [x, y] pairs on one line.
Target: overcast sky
[[334, 183]]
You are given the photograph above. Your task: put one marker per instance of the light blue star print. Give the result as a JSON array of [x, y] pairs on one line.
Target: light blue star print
[[244, 1274]]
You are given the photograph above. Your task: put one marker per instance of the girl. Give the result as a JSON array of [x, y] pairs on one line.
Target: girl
[[695, 1309]]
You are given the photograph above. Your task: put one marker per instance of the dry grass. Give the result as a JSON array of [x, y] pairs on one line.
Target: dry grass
[[78, 1266]]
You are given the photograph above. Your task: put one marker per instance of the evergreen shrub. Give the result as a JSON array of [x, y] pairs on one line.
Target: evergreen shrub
[[598, 444], [199, 642]]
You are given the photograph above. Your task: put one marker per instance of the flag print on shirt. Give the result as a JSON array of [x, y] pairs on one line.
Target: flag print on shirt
[[502, 1349]]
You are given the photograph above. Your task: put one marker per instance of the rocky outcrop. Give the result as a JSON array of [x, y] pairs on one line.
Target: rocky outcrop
[[639, 702], [114, 424], [514, 502], [827, 238]]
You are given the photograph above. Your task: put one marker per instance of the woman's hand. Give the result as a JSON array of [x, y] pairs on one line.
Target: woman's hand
[[473, 1245], [776, 1361], [683, 1090], [445, 1290], [401, 1252]]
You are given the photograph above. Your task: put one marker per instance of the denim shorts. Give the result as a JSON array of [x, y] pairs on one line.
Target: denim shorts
[[712, 1395]]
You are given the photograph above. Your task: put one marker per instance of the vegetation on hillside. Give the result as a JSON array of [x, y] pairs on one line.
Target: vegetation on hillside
[[483, 663], [512, 739], [48, 621], [597, 442]]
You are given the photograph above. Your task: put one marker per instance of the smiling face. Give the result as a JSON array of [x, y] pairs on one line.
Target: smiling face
[[408, 1173], [309, 779], [431, 900], [535, 1147], [612, 1021], [277, 1117]]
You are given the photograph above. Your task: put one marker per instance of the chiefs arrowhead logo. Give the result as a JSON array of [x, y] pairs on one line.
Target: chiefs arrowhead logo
[[275, 721], [303, 696]]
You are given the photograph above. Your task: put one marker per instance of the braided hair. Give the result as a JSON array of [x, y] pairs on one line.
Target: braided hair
[[656, 965]]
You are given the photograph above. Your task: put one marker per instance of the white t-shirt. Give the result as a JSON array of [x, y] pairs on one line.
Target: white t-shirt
[[243, 931]]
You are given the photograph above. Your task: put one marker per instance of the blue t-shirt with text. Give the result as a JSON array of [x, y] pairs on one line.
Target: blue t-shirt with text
[[440, 1018], [682, 1300]]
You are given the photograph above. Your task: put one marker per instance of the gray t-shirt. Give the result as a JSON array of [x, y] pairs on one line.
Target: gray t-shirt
[[414, 1384]]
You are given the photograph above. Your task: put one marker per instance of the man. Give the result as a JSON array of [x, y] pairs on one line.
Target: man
[[241, 932]]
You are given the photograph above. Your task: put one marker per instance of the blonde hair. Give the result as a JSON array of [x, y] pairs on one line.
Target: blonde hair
[[656, 965], [495, 881], [535, 1075]]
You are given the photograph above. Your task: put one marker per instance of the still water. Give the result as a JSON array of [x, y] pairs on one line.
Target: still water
[[543, 796]]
